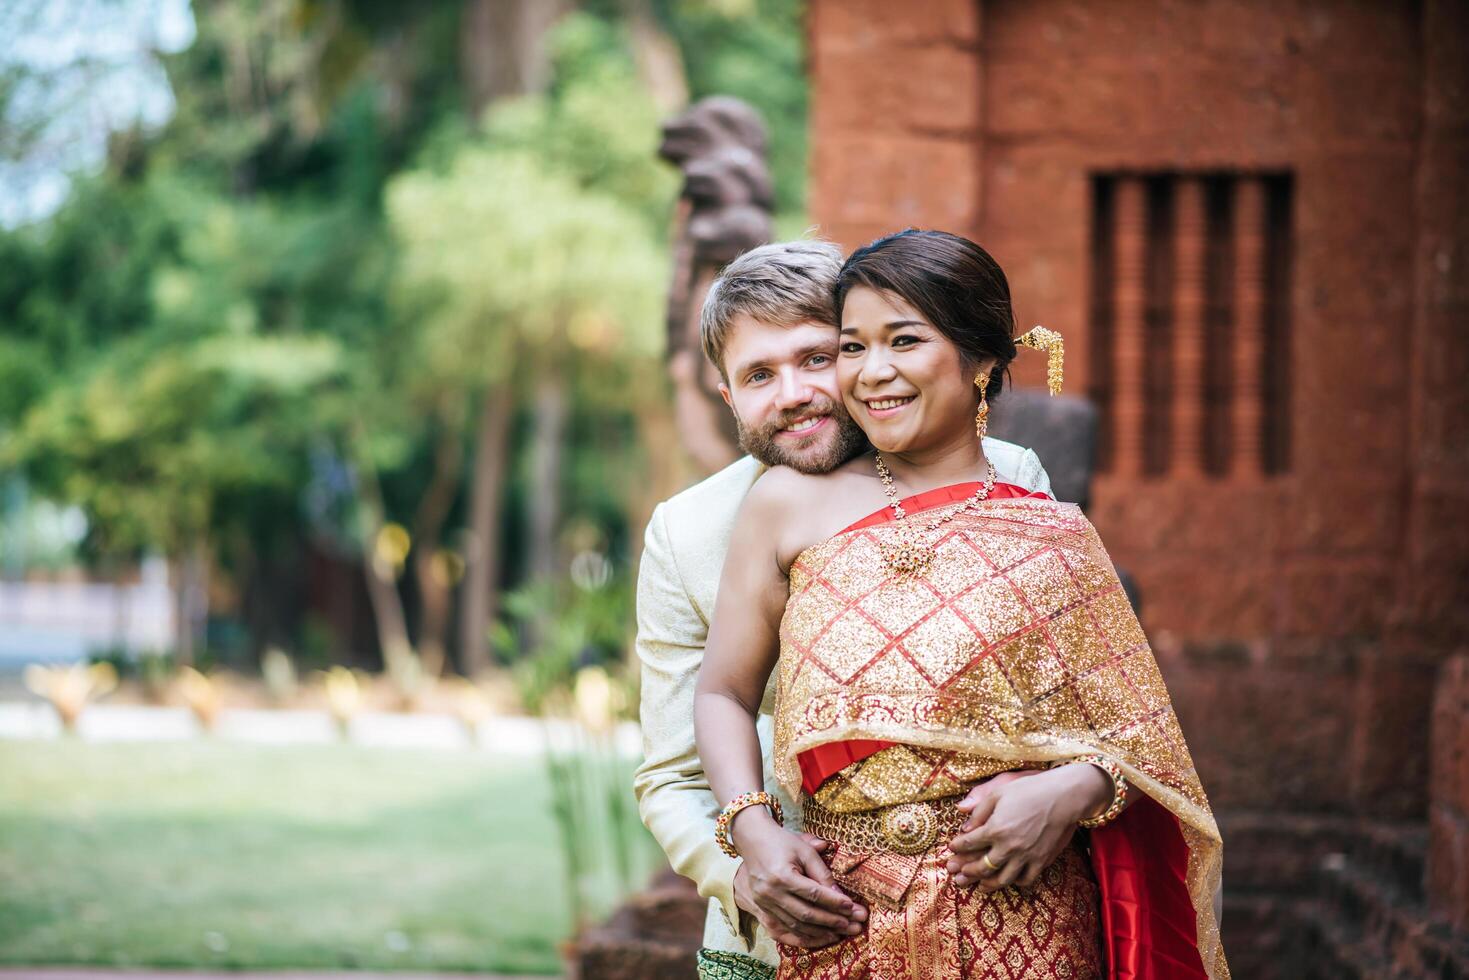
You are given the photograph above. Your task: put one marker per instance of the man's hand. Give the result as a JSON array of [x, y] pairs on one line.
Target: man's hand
[[1020, 822], [784, 883]]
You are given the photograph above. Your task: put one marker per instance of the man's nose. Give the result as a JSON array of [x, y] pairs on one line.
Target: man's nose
[[794, 390]]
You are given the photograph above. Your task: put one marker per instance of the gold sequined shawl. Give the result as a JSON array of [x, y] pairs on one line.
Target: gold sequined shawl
[[1017, 643]]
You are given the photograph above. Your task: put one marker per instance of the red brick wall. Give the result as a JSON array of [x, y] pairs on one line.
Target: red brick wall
[[1300, 617]]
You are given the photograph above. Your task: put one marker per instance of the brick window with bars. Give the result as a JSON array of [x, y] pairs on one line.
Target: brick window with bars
[[1190, 322]]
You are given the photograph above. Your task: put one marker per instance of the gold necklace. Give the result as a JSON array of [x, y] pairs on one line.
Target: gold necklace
[[912, 552]]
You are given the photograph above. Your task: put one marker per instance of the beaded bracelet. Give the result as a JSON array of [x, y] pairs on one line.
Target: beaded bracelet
[[727, 815], [1119, 790]]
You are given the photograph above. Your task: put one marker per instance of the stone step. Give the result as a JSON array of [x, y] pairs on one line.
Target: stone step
[[1363, 911], [1327, 948], [1280, 853], [1324, 896], [1396, 854]]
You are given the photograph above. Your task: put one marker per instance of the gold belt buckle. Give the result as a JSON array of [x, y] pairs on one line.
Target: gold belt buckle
[[909, 828]]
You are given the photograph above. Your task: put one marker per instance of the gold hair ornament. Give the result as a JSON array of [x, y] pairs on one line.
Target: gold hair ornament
[[1040, 338]]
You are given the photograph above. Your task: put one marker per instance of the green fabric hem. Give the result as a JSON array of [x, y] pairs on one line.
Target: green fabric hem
[[716, 964]]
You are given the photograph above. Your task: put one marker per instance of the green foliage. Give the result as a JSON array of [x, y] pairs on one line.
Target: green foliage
[[184, 365], [79, 284], [571, 627], [509, 260], [543, 231], [320, 260], [598, 125], [325, 97], [148, 437]]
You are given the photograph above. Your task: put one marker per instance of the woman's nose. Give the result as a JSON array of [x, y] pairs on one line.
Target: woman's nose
[[875, 369]]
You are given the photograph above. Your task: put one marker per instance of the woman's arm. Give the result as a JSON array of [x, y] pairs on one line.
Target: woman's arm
[[742, 647], [787, 874]]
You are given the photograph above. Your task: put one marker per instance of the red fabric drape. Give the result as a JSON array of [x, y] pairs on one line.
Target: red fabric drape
[[1149, 926]]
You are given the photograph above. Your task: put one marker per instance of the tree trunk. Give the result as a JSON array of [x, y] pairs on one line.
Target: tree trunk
[[480, 600], [433, 510], [122, 605], [382, 585], [191, 599], [659, 63], [502, 48], [548, 440], [428, 526]]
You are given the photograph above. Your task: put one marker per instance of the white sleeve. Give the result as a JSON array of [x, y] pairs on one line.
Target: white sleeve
[[1033, 475]]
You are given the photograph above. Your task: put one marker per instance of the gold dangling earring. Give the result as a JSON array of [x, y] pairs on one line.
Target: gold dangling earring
[[982, 418]]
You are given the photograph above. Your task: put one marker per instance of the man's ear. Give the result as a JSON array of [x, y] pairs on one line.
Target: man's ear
[[724, 393]]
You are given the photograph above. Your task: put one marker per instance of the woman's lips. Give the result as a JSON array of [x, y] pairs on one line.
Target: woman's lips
[[805, 427], [881, 408]]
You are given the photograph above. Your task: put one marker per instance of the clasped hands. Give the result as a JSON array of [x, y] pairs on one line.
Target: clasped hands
[[1020, 821]]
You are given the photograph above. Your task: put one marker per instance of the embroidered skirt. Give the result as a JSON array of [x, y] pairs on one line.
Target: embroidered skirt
[[928, 928]]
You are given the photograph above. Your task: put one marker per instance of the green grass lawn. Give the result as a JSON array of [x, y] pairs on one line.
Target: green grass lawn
[[228, 855]]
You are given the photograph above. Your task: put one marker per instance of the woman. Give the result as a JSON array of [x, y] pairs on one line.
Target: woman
[[961, 681]]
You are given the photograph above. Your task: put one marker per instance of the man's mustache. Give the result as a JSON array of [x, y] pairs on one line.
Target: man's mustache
[[789, 418]]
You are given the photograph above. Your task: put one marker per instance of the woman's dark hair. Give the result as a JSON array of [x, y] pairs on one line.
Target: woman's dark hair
[[955, 284]]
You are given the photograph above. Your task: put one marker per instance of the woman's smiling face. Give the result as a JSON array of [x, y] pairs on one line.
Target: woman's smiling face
[[903, 381]]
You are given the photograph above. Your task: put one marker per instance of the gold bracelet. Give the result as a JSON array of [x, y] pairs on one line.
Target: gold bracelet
[[1119, 790], [727, 815]]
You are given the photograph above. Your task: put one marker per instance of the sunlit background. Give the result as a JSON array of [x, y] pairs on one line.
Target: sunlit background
[[316, 318], [345, 348]]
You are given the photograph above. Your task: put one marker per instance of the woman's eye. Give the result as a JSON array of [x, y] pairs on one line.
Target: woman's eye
[[904, 341], [851, 347]]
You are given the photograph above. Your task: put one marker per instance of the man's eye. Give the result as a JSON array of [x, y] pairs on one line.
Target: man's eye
[[819, 359], [757, 377]]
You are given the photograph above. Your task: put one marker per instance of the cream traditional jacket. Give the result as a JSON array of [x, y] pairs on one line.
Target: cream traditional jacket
[[683, 555]]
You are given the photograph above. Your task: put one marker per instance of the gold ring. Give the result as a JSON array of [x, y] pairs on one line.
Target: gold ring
[[988, 863]]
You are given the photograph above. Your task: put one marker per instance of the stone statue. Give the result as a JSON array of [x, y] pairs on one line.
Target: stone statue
[[724, 209]]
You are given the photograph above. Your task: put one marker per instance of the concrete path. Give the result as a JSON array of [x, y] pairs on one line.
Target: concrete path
[[86, 973], [127, 723]]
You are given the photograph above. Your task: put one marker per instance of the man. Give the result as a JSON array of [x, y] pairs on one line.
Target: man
[[769, 327]]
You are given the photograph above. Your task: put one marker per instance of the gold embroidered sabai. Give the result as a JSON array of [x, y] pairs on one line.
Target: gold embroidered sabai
[[1015, 647]]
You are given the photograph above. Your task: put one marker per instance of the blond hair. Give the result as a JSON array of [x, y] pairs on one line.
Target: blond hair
[[782, 283]]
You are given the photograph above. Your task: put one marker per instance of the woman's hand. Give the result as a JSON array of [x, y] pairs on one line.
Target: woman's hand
[[1021, 822], [791, 884]]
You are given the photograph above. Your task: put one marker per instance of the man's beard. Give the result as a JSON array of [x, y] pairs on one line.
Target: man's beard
[[763, 443]]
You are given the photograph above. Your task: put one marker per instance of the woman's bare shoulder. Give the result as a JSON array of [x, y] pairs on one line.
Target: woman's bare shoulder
[[780, 491], [783, 487], [799, 509]]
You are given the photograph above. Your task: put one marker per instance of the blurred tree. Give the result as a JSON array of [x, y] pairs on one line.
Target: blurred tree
[[503, 51], [171, 377], [509, 257], [356, 286], [755, 51], [503, 54]]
